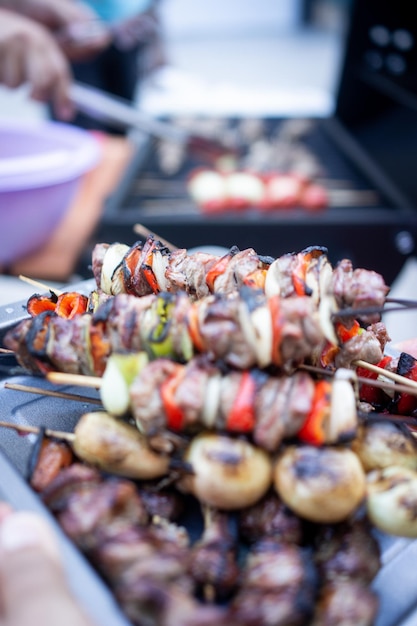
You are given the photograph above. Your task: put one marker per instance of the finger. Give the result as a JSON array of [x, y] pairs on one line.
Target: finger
[[13, 74], [50, 79], [33, 584]]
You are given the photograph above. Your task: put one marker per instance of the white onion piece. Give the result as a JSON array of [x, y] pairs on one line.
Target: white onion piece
[[384, 444], [206, 186], [159, 266], [392, 500], [211, 400], [327, 303], [227, 473], [248, 329], [312, 279], [121, 370], [273, 280], [246, 186], [117, 281], [112, 259], [262, 324], [343, 419]]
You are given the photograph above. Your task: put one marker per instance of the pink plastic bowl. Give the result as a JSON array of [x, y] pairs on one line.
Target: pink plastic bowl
[[41, 166]]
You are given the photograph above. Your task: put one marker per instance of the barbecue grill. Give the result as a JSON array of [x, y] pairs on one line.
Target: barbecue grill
[[368, 143], [367, 147]]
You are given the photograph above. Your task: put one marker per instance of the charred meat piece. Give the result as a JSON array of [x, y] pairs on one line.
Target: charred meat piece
[[346, 603], [358, 289], [164, 504], [278, 586], [53, 456], [270, 517], [347, 557], [213, 559], [347, 550]]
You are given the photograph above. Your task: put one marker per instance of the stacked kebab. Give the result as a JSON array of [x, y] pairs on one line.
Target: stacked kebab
[[217, 401]]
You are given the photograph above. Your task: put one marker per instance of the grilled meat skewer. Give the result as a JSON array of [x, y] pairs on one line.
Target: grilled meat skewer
[[348, 558], [213, 559], [278, 586], [151, 267], [243, 330], [196, 396]]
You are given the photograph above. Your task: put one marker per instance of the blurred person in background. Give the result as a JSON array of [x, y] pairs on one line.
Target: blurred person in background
[[108, 44], [30, 53], [135, 50]]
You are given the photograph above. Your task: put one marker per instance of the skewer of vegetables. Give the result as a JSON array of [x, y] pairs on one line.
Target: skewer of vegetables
[[110, 444], [151, 267]]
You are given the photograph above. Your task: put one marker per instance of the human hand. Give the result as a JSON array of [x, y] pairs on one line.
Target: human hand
[[29, 54], [33, 587], [76, 27]]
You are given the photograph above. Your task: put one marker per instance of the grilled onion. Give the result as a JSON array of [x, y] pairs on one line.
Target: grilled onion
[[112, 272], [384, 444], [392, 500], [116, 447], [226, 473], [323, 485]]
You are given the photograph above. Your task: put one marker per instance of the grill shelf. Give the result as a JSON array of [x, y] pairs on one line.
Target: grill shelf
[[160, 202]]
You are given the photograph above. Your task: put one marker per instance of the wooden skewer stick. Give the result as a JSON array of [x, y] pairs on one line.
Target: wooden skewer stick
[[59, 434], [145, 232], [38, 284], [381, 372], [62, 378], [403, 384], [54, 394], [400, 388]]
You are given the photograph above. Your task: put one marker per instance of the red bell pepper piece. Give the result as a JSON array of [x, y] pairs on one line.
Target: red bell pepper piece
[[299, 273], [70, 304], [148, 271], [276, 319], [100, 347], [174, 413], [241, 417], [130, 263], [328, 354], [193, 326], [344, 333], [368, 393], [313, 429], [216, 270], [38, 304]]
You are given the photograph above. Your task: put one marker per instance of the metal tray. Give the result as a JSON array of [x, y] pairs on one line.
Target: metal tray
[[396, 583]]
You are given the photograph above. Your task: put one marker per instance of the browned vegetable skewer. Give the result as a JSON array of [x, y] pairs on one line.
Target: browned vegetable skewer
[[110, 444]]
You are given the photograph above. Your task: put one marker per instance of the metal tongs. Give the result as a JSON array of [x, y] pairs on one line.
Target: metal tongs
[[107, 108]]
